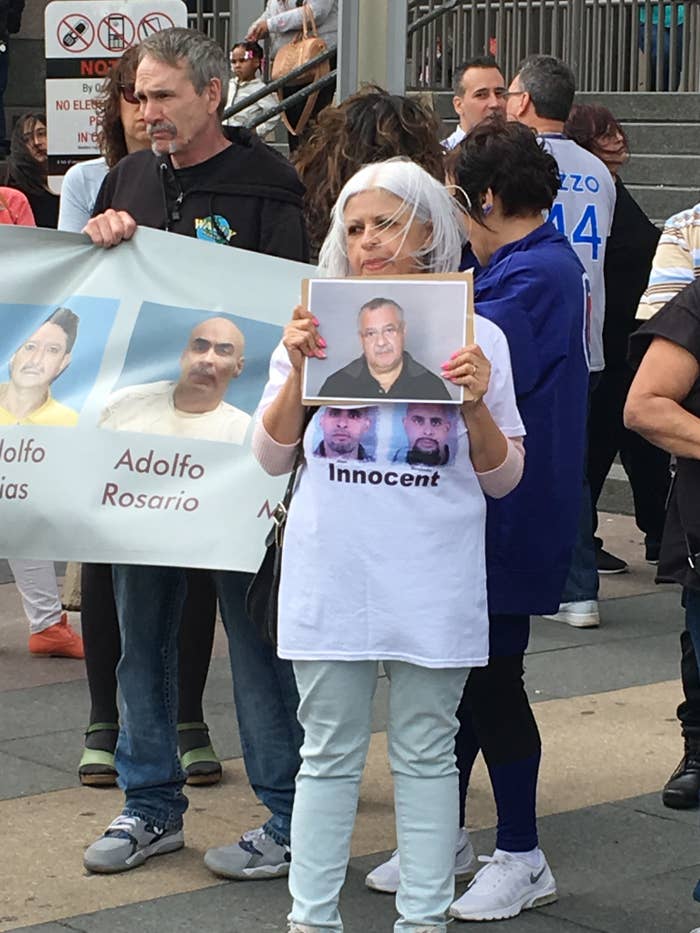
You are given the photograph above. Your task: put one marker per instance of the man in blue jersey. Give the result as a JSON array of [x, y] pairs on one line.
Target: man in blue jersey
[[540, 96]]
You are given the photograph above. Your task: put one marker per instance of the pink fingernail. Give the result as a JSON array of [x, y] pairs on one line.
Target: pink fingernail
[[322, 342], [320, 355], [455, 354], [316, 321]]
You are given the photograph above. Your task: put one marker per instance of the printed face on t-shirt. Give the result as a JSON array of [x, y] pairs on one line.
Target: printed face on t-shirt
[[427, 427], [343, 429], [382, 332]]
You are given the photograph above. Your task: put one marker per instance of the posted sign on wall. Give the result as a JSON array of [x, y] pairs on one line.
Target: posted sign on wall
[[83, 39]]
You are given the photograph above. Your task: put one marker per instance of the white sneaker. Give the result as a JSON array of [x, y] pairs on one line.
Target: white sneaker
[[581, 614], [505, 886], [385, 877]]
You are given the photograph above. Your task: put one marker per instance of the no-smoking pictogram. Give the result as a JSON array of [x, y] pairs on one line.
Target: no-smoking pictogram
[[116, 32], [76, 33], [153, 22]]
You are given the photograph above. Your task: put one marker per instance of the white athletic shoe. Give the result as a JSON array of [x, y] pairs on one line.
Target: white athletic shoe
[[581, 614], [503, 887], [385, 877]]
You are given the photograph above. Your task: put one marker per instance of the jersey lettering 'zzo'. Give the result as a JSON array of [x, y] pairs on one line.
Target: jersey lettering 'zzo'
[[585, 230], [571, 181]]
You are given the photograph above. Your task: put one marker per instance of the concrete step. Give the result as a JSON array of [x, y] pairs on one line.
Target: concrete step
[[662, 139], [646, 169], [646, 107], [659, 202]]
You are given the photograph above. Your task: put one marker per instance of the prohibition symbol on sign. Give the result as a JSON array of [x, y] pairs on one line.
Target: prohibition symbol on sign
[[153, 22], [76, 33], [116, 32]]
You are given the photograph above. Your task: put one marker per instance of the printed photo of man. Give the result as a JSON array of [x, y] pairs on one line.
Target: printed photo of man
[[386, 369], [26, 398], [427, 430], [342, 430], [193, 406]]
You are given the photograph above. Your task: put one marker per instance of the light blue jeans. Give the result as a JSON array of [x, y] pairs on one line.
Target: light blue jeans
[[335, 711]]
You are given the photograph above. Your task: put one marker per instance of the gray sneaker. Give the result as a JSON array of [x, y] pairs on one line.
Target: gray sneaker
[[127, 842], [255, 855]]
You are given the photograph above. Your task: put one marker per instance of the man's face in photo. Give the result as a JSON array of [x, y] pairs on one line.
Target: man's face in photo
[[41, 358], [342, 429], [427, 428], [483, 96], [382, 333], [212, 358], [174, 113]]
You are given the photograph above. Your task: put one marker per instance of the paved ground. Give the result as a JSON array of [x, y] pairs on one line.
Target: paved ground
[[606, 706]]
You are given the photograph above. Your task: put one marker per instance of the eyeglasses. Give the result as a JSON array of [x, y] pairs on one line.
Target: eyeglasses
[[127, 92], [508, 94]]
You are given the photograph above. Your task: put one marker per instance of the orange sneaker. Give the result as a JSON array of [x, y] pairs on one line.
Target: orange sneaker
[[57, 641]]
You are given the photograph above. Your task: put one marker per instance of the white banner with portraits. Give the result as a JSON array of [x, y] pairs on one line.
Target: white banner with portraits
[[129, 378]]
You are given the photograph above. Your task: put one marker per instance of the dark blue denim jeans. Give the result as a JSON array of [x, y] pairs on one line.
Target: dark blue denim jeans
[[149, 605], [582, 581]]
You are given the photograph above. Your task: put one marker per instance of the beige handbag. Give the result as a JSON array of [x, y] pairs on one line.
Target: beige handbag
[[304, 47]]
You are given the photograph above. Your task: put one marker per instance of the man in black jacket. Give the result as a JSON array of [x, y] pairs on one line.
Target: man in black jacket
[[10, 22], [229, 188]]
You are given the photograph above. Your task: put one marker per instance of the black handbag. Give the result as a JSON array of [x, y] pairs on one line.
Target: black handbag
[[262, 594]]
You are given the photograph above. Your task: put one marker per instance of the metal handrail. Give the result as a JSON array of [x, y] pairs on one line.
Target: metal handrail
[[282, 82], [433, 15], [293, 99]]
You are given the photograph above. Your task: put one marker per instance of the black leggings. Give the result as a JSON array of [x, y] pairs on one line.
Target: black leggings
[[495, 717], [100, 629]]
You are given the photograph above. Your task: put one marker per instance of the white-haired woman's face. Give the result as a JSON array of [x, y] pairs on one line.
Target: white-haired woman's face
[[381, 238]]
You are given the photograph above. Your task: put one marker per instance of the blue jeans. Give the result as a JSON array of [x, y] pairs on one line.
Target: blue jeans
[[335, 710], [582, 581], [149, 605]]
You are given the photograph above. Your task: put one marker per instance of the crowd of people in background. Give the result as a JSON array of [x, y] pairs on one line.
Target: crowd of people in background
[[563, 272]]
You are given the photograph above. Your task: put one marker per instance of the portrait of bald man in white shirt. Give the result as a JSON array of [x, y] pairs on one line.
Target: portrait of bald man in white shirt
[[193, 406]]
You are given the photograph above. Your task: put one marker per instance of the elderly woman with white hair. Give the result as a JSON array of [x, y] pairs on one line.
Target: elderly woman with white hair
[[378, 573]]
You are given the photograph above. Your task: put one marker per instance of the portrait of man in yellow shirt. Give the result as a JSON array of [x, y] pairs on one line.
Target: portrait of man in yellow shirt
[[26, 398]]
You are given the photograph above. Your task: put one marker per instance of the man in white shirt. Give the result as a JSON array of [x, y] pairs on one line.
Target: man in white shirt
[[540, 96], [480, 90], [193, 406]]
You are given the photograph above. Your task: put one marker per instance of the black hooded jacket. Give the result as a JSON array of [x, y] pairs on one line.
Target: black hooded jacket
[[247, 196]]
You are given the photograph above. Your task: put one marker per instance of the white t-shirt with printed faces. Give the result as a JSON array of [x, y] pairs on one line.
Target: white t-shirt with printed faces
[[583, 211], [384, 545]]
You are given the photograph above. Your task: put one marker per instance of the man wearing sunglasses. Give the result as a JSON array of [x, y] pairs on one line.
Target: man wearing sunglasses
[[226, 186]]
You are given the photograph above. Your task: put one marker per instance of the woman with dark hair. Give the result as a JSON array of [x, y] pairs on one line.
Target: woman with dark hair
[[532, 285], [246, 62], [26, 168], [121, 130], [628, 256], [369, 126]]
